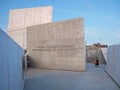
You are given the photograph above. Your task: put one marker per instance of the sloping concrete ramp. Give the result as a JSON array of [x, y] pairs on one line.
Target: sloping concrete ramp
[[93, 79]]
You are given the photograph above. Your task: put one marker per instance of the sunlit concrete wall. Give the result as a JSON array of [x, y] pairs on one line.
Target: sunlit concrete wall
[[58, 45], [11, 74], [113, 62], [104, 51], [19, 19]]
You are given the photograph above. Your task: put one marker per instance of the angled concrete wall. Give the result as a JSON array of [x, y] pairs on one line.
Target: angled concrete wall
[[11, 74], [104, 51], [19, 19], [91, 54], [58, 45], [113, 63], [95, 53], [101, 57]]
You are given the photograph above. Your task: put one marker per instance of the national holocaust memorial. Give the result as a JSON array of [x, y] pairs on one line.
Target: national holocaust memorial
[[59, 45], [19, 19]]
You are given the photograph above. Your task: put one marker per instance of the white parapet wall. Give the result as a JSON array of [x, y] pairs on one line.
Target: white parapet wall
[[113, 63], [11, 73]]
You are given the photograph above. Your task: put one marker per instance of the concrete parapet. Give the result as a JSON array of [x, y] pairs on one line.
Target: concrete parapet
[[113, 63], [11, 55]]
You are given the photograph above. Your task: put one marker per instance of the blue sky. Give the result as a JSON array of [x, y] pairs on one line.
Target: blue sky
[[101, 17]]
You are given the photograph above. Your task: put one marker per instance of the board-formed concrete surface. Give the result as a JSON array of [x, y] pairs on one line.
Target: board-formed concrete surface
[[19, 19], [93, 79], [113, 63], [58, 45]]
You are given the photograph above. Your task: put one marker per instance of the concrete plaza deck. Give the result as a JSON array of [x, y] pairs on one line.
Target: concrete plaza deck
[[93, 79]]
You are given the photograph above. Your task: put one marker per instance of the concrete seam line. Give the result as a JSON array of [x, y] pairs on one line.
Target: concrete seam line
[[112, 78]]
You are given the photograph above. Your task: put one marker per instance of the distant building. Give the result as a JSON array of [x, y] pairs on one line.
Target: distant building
[[97, 45], [100, 45]]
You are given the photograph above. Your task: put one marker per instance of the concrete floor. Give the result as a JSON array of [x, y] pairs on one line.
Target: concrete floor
[[93, 79]]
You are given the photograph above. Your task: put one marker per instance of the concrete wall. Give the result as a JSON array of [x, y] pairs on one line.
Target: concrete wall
[[91, 54], [113, 62], [57, 45], [104, 51], [94, 53], [19, 19], [11, 74]]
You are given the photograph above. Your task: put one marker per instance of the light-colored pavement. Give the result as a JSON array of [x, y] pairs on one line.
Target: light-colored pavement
[[93, 79]]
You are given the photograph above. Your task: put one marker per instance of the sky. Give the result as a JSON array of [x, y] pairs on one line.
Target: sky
[[101, 17]]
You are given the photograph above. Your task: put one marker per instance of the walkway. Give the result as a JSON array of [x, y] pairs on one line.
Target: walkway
[[93, 79]]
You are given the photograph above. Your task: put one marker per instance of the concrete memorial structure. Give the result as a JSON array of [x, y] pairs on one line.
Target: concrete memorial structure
[[11, 55], [104, 51], [113, 63], [58, 45], [19, 19], [93, 53]]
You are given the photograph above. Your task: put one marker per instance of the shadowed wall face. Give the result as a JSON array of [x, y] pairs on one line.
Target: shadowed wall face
[[113, 63], [95, 53], [57, 45], [19, 19], [11, 54]]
